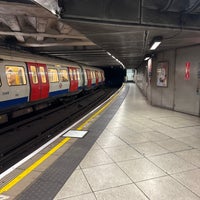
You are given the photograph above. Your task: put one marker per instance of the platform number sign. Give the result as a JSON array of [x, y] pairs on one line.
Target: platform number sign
[[187, 71]]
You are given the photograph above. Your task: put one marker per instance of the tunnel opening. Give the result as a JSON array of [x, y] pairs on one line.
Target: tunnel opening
[[114, 75]]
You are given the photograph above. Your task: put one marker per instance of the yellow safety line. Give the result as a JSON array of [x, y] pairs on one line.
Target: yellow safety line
[[43, 158], [33, 166]]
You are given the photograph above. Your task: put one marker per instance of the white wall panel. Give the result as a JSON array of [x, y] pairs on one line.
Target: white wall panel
[[180, 94], [186, 97]]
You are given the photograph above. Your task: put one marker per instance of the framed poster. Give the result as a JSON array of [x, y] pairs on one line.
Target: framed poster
[[162, 74]]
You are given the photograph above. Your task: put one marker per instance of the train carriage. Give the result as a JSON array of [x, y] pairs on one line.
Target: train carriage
[[29, 82]]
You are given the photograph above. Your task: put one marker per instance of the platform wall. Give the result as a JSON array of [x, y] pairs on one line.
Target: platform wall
[[180, 89]]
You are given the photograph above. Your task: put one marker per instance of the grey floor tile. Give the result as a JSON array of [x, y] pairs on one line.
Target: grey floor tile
[[166, 188], [172, 132], [173, 145], [191, 140], [75, 185], [133, 138], [129, 192], [155, 136], [105, 176], [149, 149], [191, 179], [145, 129], [140, 169], [81, 197], [171, 163], [110, 141], [192, 131], [122, 130], [161, 128], [137, 127], [95, 157], [176, 122], [192, 156], [122, 153]]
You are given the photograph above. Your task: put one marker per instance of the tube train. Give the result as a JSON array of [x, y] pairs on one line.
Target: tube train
[[27, 81]]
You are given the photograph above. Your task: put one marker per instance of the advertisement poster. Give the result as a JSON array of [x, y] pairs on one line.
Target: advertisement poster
[[162, 74]]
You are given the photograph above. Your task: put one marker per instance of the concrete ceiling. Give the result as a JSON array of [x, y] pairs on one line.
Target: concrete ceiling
[[85, 31]]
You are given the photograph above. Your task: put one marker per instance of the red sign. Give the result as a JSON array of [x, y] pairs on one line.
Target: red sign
[[187, 71]]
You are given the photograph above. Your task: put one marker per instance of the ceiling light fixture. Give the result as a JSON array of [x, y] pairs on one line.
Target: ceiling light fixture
[[147, 58], [116, 59], [155, 42]]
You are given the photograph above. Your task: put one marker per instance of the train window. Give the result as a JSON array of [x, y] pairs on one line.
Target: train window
[[53, 75], [75, 75], [42, 74], [78, 74], [71, 74], [63, 75], [89, 74], [99, 75], [33, 73], [15, 75], [93, 73]]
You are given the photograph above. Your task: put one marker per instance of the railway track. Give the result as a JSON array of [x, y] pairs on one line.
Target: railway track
[[24, 135]]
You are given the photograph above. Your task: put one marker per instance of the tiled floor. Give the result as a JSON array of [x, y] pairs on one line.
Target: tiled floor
[[144, 153]]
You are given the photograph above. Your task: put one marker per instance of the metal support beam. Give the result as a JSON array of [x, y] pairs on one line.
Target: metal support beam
[[41, 27], [13, 24], [48, 35], [54, 44]]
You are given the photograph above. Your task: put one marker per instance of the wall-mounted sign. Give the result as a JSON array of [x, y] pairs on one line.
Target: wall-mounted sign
[[149, 69], [187, 71], [162, 74]]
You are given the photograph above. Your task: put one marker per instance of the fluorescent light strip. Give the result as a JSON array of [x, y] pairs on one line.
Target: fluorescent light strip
[[155, 45], [147, 58], [115, 59]]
